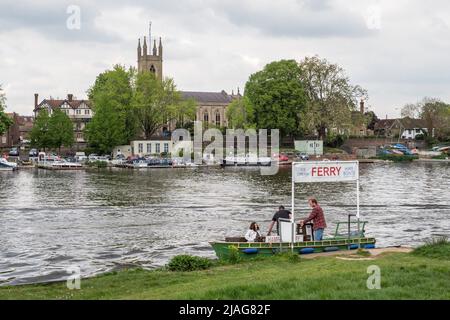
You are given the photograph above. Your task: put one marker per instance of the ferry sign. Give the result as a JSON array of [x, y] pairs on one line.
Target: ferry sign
[[326, 171]]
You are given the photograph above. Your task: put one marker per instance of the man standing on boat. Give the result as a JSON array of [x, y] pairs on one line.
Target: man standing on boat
[[318, 219], [282, 213]]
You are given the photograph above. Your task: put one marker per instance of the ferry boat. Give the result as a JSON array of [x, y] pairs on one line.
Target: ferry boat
[[7, 166], [297, 240], [303, 244]]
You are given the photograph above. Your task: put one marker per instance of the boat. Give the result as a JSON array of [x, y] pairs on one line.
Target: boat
[[352, 240], [51, 162], [248, 160], [301, 240], [7, 166]]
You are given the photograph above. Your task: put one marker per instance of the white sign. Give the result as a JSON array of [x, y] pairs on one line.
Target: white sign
[[326, 171], [310, 147]]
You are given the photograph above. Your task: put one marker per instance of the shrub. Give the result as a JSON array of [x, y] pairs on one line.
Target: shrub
[[234, 256], [397, 158], [436, 248], [97, 164], [188, 263]]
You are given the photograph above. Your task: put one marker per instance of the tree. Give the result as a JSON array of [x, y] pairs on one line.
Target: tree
[[157, 102], [5, 121], [39, 135], [114, 122], [411, 110], [277, 97], [437, 116], [60, 130], [331, 97], [240, 114], [371, 119], [106, 130]]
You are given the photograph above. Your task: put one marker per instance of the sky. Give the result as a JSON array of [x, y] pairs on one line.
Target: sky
[[398, 50]]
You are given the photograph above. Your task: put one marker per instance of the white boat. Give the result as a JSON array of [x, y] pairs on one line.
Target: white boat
[[55, 163], [7, 166]]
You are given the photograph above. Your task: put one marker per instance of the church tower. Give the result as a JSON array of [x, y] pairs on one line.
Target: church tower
[[150, 59]]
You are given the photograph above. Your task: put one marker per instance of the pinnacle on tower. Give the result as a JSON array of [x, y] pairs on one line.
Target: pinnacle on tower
[[139, 48], [145, 46], [154, 48], [160, 47]]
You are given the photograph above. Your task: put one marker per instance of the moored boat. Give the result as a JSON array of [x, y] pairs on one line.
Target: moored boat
[[7, 166]]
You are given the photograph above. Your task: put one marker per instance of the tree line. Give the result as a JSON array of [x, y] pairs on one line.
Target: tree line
[[299, 98], [5, 121]]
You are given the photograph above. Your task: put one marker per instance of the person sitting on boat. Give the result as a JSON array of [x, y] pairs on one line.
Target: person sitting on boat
[[318, 219], [253, 234], [282, 213]]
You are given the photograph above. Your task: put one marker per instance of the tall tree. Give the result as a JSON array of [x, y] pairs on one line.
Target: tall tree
[[277, 96], [411, 110], [5, 121], [157, 102], [437, 117], [331, 97], [40, 136], [114, 118], [240, 114], [60, 130]]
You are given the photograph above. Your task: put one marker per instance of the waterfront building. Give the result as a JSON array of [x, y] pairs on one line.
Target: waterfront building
[[19, 132], [406, 128], [79, 111]]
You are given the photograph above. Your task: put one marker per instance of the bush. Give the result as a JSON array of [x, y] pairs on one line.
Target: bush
[[97, 164], [436, 248], [234, 256], [335, 141], [188, 263]]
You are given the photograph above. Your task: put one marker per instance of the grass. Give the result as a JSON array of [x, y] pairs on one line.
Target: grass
[[416, 275], [437, 248]]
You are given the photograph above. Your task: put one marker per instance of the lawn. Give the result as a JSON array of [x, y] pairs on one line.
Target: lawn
[[403, 276]]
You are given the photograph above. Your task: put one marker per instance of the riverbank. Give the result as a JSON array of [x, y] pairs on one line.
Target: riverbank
[[416, 275]]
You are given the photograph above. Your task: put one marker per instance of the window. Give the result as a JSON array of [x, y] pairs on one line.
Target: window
[[140, 147], [149, 148], [87, 111], [78, 111], [418, 130], [409, 131], [158, 148], [166, 147], [152, 69], [206, 117], [218, 119]]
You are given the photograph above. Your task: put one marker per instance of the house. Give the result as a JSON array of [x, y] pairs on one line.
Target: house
[[79, 111], [153, 147], [18, 132], [406, 128]]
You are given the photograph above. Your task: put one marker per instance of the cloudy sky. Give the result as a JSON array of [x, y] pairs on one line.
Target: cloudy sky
[[398, 50]]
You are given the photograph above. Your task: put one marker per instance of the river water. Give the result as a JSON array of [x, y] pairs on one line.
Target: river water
[[114, 218]]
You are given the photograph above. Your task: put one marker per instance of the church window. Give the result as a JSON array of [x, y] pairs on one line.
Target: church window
[[206, 117], [152, 69], [218, 118]]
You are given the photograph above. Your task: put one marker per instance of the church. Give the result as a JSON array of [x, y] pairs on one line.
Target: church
[[211, 106]]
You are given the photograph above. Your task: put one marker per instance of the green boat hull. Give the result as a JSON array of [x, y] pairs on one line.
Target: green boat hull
[[253, 249]]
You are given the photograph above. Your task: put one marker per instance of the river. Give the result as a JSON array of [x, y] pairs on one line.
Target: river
[[115, 218]]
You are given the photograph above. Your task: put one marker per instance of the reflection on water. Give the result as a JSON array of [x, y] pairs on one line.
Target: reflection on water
[[110, 219]]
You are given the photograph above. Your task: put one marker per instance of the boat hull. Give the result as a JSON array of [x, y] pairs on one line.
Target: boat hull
[[225, 250]]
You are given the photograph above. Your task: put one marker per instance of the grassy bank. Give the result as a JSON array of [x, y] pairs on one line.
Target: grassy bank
[[419, 275]]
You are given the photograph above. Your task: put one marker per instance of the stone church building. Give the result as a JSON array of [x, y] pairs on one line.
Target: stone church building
[[211, 106]]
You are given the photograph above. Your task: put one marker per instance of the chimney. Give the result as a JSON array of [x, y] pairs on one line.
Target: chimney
[[36, 98], [361, 106], [70, 97]]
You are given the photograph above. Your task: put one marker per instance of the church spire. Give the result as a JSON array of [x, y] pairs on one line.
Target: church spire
[[145, 46], [160, 47]]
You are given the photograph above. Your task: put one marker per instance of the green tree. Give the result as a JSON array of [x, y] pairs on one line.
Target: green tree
[[331, 97], [39, 135], [277, 97], [240, 114], [114, 122], [60, 130], [5, 121], [437, 117], [157, 102]]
